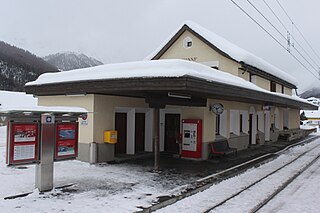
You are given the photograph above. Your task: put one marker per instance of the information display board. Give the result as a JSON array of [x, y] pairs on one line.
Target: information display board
[[23, 143], [66, 146]]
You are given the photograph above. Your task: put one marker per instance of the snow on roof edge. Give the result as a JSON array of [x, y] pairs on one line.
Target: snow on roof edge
[[44, 109], [230, 49], [151, 69]]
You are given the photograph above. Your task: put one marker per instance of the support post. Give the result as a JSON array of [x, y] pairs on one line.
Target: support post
[[156, 145], [44, 170]]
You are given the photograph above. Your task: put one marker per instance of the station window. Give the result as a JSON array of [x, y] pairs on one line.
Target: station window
[[187, 42], [217, 124], [240, 123], [273, 86], [282, 89]]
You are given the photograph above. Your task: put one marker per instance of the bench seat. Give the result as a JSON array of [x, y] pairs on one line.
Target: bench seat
[[221, 148]]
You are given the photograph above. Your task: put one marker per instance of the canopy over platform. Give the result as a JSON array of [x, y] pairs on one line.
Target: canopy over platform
[[37, 111], [161, 82]]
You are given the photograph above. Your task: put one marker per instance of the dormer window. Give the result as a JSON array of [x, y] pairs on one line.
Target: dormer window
[[187, 42]]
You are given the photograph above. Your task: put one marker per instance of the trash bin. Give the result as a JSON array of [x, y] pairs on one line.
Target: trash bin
[[93, 152]]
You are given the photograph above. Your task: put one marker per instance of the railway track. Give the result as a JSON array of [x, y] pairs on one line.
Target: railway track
[[280, 187], [205, 183]]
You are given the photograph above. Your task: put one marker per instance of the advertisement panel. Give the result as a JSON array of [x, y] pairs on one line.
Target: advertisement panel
[[66, 141], [23, 143]]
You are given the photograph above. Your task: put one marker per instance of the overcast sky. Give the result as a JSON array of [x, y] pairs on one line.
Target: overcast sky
[[128, 30]]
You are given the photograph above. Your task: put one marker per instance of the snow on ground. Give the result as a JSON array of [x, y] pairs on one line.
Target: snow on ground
[[200, 202], [300, 196], [124, 187], [104, 188]]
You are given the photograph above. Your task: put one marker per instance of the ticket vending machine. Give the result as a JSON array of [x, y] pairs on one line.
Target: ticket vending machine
[[191, 138]]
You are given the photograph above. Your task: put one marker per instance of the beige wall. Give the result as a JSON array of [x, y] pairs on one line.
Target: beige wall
[[263, 83], [85, 131], [288, 91], [279, 88], [243, 74], [228, 105], [294, 118], [104, 108], [199, 52]]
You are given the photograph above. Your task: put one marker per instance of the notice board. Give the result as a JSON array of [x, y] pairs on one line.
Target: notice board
[[66, 146], [23, 143]]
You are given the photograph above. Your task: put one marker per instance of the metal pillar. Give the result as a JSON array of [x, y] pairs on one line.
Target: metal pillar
[[156, 144], [44, 170]]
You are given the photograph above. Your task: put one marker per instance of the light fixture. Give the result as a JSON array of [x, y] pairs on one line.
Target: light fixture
[[176, 95], [76, 94], [27, 113]]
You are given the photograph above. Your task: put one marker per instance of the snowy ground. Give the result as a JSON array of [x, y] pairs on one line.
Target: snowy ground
[[104, 188], [301, 196], [124, 187]]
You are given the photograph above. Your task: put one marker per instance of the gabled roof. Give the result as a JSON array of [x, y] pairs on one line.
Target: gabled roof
[[225, 48]]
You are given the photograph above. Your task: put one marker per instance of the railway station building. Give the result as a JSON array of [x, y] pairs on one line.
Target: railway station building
[[203, 87]]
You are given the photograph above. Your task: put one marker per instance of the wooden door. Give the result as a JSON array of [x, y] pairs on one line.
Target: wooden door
[[250, 128], [121, 127], [172, 131], [139, 132]]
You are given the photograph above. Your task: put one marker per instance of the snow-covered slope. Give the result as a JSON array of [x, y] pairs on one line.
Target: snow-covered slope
[[312, 92], [18, 66], [70, 61]]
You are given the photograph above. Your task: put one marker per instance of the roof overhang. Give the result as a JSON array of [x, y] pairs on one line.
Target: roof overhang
[[193, 91]]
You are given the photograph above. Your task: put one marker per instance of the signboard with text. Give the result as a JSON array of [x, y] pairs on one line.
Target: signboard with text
[[66, 146], [23, 143]]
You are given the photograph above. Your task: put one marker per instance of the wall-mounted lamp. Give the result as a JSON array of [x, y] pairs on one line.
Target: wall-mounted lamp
[[176, 95]]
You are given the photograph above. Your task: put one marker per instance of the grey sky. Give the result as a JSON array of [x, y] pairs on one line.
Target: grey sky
[[128, 30]]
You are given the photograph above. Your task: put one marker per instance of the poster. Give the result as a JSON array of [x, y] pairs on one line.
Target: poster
[[66, 140], [24, 133], [24, 143]]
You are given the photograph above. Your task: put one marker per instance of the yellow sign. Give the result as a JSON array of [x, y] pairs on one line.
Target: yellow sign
[[110, 136]]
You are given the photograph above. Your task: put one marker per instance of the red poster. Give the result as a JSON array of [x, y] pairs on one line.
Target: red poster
[[66, 140], [24, 143]]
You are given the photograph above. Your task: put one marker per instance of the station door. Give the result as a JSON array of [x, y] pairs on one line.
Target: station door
[[172, 132], [139, 132], [121, 127]]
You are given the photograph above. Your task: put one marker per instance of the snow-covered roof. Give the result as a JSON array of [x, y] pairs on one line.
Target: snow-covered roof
[[312, 113], [43, 109], [16, 99], [152, 69], [230, 49]]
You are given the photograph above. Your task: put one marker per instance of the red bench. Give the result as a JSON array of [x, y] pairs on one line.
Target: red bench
[[221, 148]]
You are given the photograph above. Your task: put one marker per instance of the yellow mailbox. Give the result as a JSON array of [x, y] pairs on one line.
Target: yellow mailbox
[[110, 136]]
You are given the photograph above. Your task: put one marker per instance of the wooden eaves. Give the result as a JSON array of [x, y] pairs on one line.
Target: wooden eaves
[[155, 91]]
